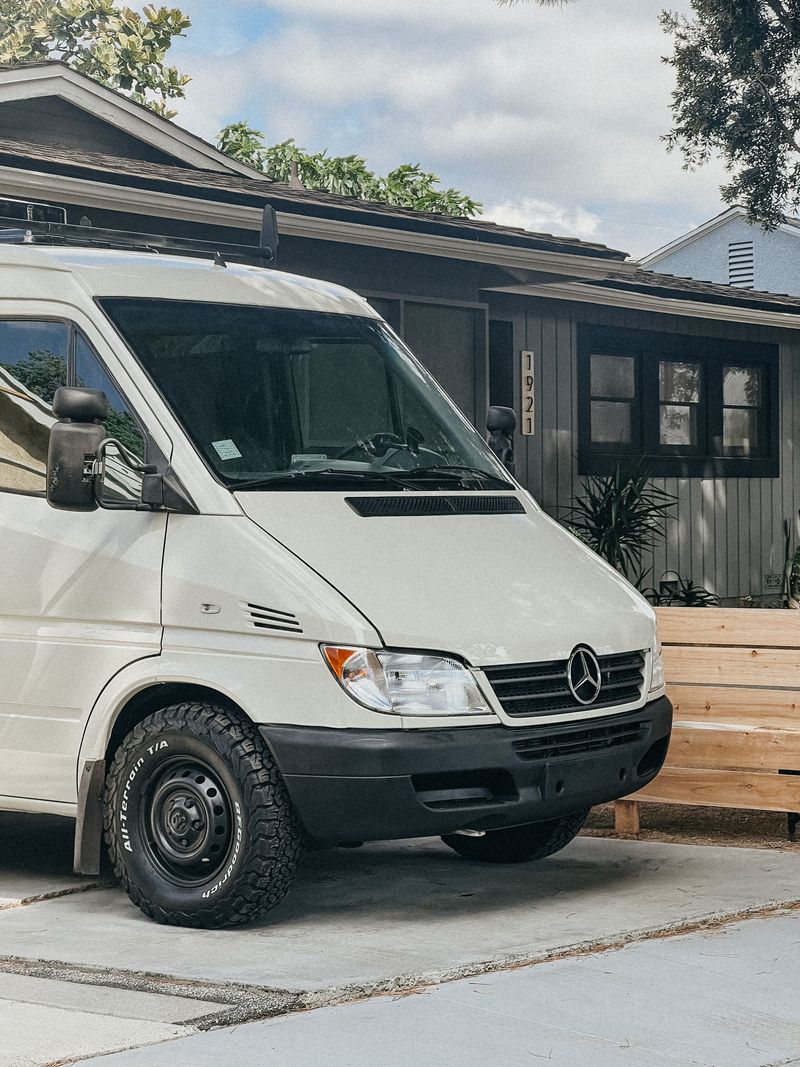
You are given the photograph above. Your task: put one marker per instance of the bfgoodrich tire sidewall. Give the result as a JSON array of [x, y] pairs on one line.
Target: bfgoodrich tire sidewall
[[130, 818]]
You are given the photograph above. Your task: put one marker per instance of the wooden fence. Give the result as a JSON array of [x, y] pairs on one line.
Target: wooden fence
[[733, 675]]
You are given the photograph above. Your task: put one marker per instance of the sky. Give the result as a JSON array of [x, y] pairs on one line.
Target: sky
[[551, 117]]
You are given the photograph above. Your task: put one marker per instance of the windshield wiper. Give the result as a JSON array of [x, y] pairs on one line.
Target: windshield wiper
[[447, 474], [324, 474], [455, 472]]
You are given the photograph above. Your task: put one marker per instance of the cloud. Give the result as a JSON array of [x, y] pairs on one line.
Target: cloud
[[550, 114], [543, 216]]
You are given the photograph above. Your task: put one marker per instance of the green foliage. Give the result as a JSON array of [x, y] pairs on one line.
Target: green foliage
[[621, 516], [738, 96], [685, 594], [42, 372], [120, 425], [406, 186], [114, 45]]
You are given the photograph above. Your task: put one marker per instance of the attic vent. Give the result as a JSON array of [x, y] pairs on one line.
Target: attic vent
[[262, 618], [740, 264], [371, 507]]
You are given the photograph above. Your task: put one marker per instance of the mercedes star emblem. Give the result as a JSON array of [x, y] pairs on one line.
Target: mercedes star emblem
[[583, 675]]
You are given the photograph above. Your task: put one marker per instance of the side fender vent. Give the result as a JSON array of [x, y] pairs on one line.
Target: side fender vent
[[371, 507], [262, 618]]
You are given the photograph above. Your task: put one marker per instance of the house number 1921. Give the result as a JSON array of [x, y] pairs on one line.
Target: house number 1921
[[528, 427]]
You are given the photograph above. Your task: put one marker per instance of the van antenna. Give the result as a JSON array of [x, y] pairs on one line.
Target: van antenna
[[268, 241]]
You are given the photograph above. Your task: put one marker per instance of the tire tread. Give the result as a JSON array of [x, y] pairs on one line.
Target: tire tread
[[274, 838]]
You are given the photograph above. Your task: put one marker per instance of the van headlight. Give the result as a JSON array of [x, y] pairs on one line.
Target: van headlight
[[402, 683], [657, 669]]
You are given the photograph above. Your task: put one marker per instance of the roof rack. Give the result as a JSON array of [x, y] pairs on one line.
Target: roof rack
[[13, 231]]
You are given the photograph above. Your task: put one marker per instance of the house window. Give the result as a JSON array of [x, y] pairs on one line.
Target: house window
[[613, 399], [686, 406], [679, 404]]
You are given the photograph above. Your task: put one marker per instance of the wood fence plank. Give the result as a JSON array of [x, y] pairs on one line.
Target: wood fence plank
[[740, 747], [771, 667], [723, 789], [759, 627], [770, 709], [626, 817]]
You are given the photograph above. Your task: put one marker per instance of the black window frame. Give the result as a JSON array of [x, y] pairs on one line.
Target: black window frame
[[648, 349]]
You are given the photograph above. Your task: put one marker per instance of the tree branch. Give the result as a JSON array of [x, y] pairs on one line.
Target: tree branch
[[781, 14], [789, 134]]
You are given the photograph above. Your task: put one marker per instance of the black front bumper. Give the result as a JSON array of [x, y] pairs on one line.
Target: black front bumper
[[371, 785]]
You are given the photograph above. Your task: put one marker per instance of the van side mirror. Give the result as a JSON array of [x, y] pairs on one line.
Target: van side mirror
[[501, 424], [74, 443]]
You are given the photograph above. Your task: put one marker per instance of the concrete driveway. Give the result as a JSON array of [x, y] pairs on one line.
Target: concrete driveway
[[502, 953]]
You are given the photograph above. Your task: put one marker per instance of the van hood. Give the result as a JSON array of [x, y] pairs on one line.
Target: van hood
[[491, 588]]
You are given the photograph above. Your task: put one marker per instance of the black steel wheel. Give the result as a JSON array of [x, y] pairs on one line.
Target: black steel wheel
[[519, 844], [198, 824], [189, 822]]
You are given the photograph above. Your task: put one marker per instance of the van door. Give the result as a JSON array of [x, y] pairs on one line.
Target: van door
[[79, 593]]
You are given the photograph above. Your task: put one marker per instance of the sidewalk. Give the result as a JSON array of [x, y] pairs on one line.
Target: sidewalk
[[85, 973], [728, 998]]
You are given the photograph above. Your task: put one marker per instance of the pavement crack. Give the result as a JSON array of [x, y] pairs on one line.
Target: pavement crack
[[24, 902]]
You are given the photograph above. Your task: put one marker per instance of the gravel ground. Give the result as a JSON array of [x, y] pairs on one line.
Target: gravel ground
[[683, 824]]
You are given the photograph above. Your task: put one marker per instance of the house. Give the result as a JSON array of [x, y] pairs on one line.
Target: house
[[603, 361], [730, 250]]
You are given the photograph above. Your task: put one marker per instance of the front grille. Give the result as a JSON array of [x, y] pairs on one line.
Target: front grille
[[542, 688], [594, 738]]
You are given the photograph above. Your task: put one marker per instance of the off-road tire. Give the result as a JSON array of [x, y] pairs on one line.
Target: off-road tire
[[519, 844], [259, 831]]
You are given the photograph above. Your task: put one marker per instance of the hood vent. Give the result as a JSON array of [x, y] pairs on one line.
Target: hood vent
[[373, 507], [262, 618]]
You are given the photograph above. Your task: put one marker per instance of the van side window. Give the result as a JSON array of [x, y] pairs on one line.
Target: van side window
[[33, 364], [121, 484]]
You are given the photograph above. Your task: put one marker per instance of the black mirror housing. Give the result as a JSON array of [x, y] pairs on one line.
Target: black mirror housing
[[501, 424], [501, 420], [80, 405], [73, 447], [70, 465]]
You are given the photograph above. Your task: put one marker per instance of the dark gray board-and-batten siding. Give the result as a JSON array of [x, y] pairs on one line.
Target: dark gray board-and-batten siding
[[727, 533]]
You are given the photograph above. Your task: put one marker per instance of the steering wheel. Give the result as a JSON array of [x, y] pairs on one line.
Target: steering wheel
[[374, 445]]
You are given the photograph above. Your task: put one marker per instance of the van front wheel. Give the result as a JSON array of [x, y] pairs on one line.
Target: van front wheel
[[518, 844], [198, 824]]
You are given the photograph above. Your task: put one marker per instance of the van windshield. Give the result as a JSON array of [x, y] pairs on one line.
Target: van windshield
[[277, 398]]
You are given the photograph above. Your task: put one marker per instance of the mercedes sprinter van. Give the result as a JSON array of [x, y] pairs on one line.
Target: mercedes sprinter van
[[264, 587]]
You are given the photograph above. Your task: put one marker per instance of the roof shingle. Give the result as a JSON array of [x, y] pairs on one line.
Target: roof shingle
[[232, 188]]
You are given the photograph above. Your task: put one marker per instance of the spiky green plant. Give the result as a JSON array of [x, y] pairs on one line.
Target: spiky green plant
[[621, 516]]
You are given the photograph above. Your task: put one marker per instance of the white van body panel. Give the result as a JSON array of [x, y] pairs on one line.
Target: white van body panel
[[81, 600], [274, 680], [140, 274], [495, 589]]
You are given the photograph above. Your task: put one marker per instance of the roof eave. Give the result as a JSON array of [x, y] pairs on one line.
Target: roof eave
[[57, 79], [659, 304], [231, 211]]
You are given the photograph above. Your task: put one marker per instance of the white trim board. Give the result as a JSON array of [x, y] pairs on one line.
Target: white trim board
[[88, 194], [686, 239], [586, 294], [56, 79]]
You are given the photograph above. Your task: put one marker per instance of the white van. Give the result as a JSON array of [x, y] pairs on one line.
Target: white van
[[269, 588]]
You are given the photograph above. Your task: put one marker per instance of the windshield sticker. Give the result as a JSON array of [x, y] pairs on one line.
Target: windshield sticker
[[226, 449]]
